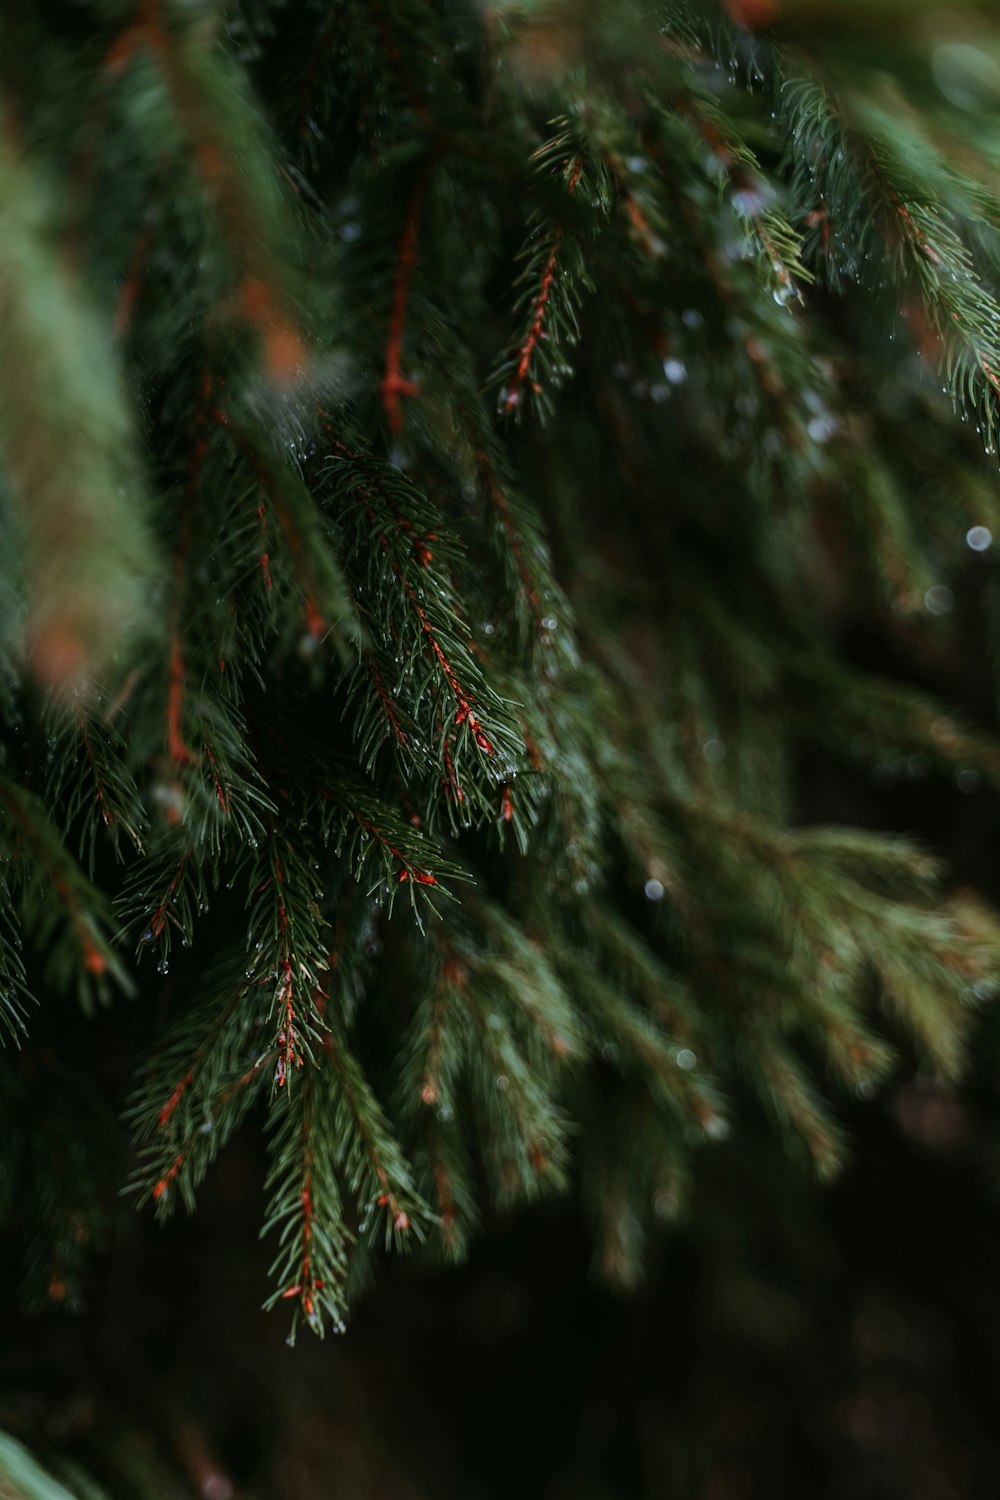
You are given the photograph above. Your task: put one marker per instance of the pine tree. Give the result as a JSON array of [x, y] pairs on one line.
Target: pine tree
[[451, 462]]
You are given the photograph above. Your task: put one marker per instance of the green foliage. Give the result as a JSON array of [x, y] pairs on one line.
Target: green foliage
[[448, 464], [21, 1478], [68, 442], [552, 281]]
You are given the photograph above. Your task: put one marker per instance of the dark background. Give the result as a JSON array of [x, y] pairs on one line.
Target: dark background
[[788, 1340]]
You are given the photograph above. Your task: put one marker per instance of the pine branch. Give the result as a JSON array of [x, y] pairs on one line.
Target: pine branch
[[784, 1087], [286, 947], [164, 896], [633, 1042], [395, 385], [370, 1159], [14, 992], [552, 282], [232, 161], [434, 1055], [208, 1071], [89, 774], [566, 680], [634, 1176], [68, 447], [65, 916], [306, 1209], [421, 655]]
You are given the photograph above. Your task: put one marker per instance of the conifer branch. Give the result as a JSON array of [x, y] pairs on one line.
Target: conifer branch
[[395, 385], [231, 160], [66, 916], [570, 682], [69, 454], [306, 1210], [198, 1088], [14, 993], [548, 302], [421, 649]]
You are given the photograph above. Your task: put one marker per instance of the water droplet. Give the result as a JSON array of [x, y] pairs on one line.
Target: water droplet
[[821, 429], [714, 751], [653, 890], [685, 1059], [675, 370], [216, 1487], [939, 600], [751, 199], [978, 538]]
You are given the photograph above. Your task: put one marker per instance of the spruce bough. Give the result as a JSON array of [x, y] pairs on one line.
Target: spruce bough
[[444, 457]]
